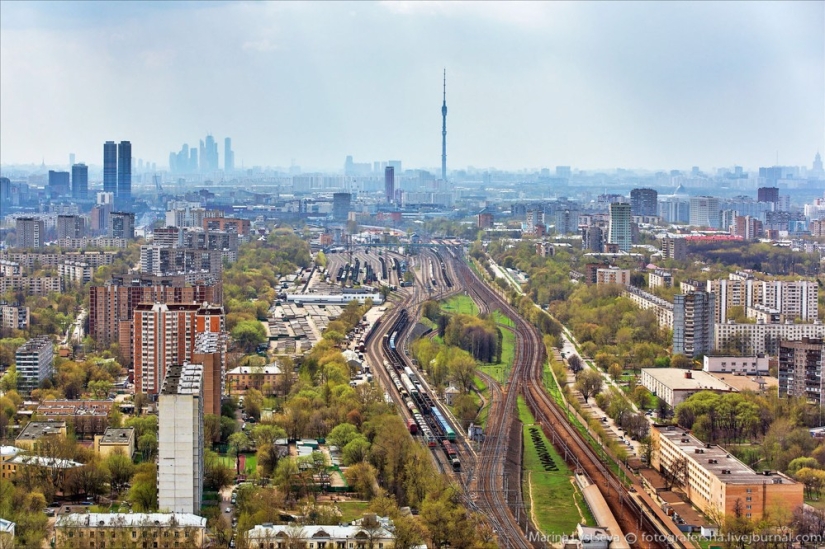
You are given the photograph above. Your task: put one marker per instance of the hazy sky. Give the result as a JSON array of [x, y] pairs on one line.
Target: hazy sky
[[529, 85]]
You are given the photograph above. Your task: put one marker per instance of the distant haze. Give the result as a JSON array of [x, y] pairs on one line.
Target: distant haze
[[529, 85]]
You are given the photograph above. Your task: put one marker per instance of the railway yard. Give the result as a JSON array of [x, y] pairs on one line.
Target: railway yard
[[489, 472]]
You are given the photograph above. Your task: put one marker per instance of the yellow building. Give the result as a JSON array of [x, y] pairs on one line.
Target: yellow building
[[715, 481], [116, 440], [130, 531], [7, 453], [36, 430]]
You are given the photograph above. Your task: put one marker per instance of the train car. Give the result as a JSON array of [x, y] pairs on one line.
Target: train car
[[412, 426], [410, 373], [412, 407], [449, 449], [449, 434], [412, 390], [392, 340]]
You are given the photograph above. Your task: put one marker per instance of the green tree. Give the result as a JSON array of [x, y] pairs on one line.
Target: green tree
[[120, 469], [8, 382], [248, 334], [144, 491], [589, 383]]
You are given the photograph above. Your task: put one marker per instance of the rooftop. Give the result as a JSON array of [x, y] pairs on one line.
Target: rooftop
[[717, 461], [270, 369], [6, 525], [9, 451], [36, 344], [117, 436], [50, 462], [183, 379], [37, 429], [678, 379], [748, 383], [109, 520]]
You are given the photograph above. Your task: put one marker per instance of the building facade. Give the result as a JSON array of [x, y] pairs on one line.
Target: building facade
[[693, 315], [35, 363], [762, 338], [180, 440], [716, 482], [130, 531], [31, 232], [644, 202], [619, 226], [800, 369]]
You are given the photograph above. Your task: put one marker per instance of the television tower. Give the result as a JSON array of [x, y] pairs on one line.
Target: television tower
[[444, 131]]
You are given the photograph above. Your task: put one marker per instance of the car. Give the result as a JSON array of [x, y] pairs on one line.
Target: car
[[228, 510]]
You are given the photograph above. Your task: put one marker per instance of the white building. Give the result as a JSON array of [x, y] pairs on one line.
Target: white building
[[613, 275], [704, 211], [180, 440], [348, 537], [762, 338], [674, 385], [75, 271], [35, 363], [745, 365], [660, 278]]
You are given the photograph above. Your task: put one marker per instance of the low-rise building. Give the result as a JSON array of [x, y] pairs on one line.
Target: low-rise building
[[52, 464], [613, 275], [7, 453], [116, 440], [660, 278], [350, 537], [132, 530], [31, 285], [265, 379], [75, 271], [86, 418], [716, 482], [35, 431], [745, 365], [6, 533], [674, 385]]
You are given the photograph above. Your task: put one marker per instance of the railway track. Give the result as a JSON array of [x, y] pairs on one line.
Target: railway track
[[527, 377]]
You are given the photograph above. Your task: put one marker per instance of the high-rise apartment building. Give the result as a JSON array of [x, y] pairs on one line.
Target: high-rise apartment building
[[180, 439], [792, 299], [619, 226], [111, 307], [341, 206], [110, 167], [164, 335], [567, 221], [70, 226], [35, 363], [389, 183], [210, 352], [30, 232], [644, 202], [693, 316], [800, 369], [704, 211], [228, 156], [593, 238], [80, 181], [122, 225], [124, 173]]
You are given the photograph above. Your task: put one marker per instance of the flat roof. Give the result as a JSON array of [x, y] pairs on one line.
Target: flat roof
[[716, 459], [114, 435], [183, 380], [36, 429], [676, 379], [748, 383]]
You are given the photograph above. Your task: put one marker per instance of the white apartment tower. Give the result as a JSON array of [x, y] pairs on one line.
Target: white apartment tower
[[35, 363], [180, 440]]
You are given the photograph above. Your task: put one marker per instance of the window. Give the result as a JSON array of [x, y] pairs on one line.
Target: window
[[748, 507], [748, 498], [747, 515]]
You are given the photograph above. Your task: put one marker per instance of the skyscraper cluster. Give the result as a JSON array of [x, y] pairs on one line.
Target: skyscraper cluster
[[204, 159]]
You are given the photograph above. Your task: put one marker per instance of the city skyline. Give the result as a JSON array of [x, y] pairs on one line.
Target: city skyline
[[633, 85]]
